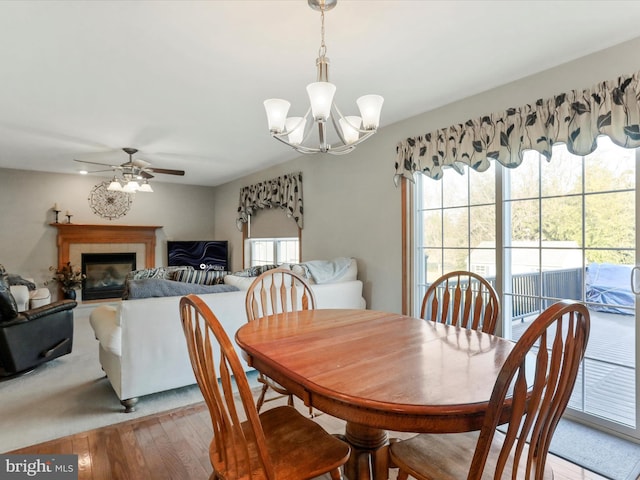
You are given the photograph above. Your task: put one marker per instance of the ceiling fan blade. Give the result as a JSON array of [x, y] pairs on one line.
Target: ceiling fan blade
[[97, 163], [140, 163], [165, 171], [135, 166]]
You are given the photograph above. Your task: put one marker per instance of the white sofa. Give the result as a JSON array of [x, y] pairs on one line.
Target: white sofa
[[142, 348]]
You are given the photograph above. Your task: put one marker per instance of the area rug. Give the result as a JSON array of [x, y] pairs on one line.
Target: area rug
[[607, 455], [71, 394]]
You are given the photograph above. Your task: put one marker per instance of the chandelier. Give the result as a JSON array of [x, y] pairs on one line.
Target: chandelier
[[350, 130]]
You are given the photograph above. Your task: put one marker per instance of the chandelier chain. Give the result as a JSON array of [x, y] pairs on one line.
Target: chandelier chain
[[323, 48]]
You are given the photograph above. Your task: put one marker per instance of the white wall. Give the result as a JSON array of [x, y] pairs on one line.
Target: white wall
[[351, 205], [28, 242]]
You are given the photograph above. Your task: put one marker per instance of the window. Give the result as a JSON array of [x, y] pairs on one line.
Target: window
[[273, 251], [455, 227], [271, 238]]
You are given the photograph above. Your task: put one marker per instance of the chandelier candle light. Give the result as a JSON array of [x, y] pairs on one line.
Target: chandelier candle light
[[351, 130]]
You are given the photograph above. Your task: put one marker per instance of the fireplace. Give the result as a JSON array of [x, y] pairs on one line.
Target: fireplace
[[105, 274]]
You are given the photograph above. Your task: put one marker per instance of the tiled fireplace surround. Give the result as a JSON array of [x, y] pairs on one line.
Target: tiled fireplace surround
[[75, 239]]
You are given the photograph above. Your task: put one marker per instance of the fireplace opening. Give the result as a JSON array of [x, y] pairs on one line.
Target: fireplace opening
[[105, 274]]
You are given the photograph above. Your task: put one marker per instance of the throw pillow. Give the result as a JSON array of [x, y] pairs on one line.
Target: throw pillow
[[254, 271], [202, 277], [8, 306], [242, 283]]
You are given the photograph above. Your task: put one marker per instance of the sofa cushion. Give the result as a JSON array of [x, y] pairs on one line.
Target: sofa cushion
[[241, 283], [21, 295], [39, 297], [159, 287], [202, 277], [8, 306], [158, 272]]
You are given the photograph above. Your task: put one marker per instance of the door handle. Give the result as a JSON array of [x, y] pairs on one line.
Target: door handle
[[635, 288]]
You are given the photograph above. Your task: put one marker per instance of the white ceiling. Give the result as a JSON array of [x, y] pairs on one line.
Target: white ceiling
[[184, 81]]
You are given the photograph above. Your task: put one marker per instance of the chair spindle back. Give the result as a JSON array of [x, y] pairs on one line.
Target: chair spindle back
[[235, 452], [277, 291], [558, 339], [463, 299]]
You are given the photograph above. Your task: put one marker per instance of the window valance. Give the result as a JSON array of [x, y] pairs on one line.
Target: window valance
[[284, 192], [576, 118]]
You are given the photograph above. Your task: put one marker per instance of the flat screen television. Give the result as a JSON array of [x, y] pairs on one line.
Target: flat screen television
[[199, 254]]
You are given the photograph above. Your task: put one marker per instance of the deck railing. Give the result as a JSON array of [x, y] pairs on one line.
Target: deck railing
[[606, 386], [532, 292]]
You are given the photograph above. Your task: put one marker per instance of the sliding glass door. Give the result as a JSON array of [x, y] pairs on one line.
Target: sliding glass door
[[570, 232], [562, 229]]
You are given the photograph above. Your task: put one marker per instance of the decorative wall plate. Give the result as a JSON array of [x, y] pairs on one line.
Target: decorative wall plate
[[107, 203]]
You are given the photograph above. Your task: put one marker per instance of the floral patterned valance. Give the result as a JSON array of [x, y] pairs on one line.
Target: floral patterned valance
[[283, 192], [576, 118]]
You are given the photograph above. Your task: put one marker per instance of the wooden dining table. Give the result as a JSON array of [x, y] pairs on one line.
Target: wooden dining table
[[379, 372]]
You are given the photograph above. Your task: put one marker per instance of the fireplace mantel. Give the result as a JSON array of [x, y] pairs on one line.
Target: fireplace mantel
[[69, 233]]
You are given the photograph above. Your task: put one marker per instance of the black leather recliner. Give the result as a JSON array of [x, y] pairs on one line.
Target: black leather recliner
[[32, 337]]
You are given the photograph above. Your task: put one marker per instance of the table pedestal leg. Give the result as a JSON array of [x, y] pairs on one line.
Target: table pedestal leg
[[368, 460]]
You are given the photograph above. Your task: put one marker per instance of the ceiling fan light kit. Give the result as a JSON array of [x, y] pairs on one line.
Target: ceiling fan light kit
[[115, 185], [145, 187], [350, 130]]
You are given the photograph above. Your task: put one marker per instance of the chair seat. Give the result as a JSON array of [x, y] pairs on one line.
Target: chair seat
[[448, 457], [300, 448]]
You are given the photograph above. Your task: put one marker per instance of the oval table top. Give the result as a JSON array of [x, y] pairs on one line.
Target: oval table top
[[379, 369]]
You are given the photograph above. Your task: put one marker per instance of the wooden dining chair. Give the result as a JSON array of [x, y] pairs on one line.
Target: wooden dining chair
[[461, 298], [536, 381], [277, 291], [277, 444]]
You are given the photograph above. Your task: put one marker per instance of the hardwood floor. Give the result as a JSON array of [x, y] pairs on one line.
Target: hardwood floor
[[174, 445]]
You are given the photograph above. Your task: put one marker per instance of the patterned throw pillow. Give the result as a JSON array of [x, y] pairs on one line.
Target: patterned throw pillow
[[254, 271], [202, 277]]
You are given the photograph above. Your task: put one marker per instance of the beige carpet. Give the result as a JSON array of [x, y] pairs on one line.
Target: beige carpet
[[70, 395]]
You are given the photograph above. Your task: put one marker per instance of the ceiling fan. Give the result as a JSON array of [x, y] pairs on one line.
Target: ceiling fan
[[132, 171]]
